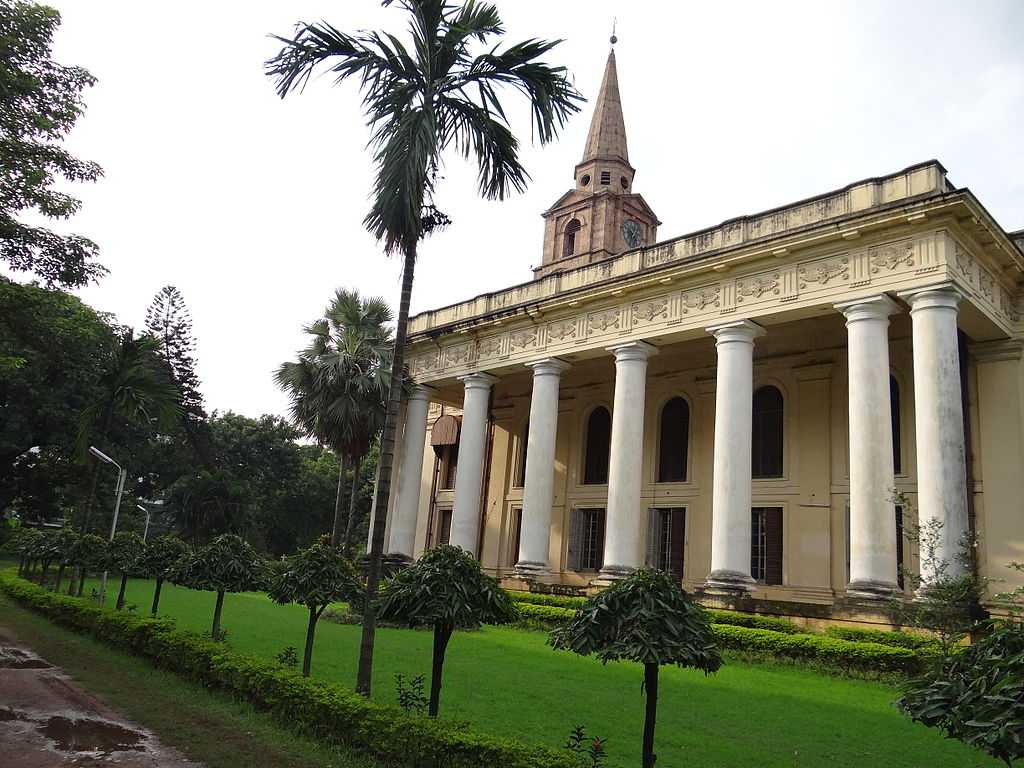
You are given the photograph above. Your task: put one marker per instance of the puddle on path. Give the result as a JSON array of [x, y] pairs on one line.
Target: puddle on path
[[92, 736], [15, 658]]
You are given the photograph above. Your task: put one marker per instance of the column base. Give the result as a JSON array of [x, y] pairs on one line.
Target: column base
[[611, 573], [532, 571], [870, 589], [729, 582]]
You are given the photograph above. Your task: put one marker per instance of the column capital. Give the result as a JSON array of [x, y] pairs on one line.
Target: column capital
[[736, 330], [478, 380], [877, 307], [549, 366], [421, 392], [939, 296], [632, 350]]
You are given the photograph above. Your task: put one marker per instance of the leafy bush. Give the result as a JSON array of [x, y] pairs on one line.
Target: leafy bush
[[884, 637], [323, 710], [976, 696], [832, 651], [754, 621], [287, 657], [542, 616], [411, 697], [557, 601]]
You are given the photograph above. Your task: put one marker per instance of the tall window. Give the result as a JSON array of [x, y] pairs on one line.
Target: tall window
[[569, 239], [766, 446], [586, 540], [897, 446], [524, 444], [675, 440], [665, 538], [449, 466], [766, 545], [597, 446], [517, 532], [444, 526]]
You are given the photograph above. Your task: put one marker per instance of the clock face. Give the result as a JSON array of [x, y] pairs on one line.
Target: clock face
[[632, 232]]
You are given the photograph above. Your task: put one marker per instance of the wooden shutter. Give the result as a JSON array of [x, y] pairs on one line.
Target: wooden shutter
[[773, 545], [653, 537], [576, 520], [445, 527], [678, 540], [599, 544]]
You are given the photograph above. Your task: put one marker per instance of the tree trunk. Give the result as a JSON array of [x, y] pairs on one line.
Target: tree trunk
[[338, 505], [384, 463], [72, 581], [120, 593], [651, 687], [350, 525], [81, 580], [21, 566], [307, 657], [215, 632], [46, 570], [442, 634], [156, 596], [60, 578]]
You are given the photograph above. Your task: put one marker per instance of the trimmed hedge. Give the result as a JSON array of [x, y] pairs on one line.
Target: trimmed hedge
[[884, 637], [555, 601], [844, 654], [753, 621], [323, 710]]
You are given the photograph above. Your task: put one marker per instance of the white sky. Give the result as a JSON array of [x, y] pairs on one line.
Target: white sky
[[252, 206]]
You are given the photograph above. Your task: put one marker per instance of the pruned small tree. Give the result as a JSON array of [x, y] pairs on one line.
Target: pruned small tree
[[976, 695], [124, 554], [64, 548], [160, 556], [25, 546], [445, 589], [314, 577], [647, 618], [226, 564], [89, 551]]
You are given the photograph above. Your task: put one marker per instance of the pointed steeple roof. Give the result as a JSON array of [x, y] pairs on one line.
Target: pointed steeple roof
[[607, 137]]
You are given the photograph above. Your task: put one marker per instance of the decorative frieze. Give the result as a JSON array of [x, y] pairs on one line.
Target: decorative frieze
[[757, 287], [650, 310], [604, 321], [824, 272], [702, 298], [891, 256], [524, 339], [562, 330], [458, 354]]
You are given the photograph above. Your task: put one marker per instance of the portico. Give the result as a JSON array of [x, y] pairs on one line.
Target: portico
[[766, 408]]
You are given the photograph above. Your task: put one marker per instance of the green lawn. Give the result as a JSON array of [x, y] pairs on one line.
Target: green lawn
[[508, 682]]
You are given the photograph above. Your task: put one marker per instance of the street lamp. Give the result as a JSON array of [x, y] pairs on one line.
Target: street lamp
[[145, 532], [121, 475]]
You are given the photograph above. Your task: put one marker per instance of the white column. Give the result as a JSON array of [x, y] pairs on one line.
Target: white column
[[939, 418], [539, 490], [872, 512], [465, 531], [625, 521], [730, 499], [410, 473]]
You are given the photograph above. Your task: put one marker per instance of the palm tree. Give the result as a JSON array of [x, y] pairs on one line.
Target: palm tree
[[338, 388], [420, 101], [133, 388]]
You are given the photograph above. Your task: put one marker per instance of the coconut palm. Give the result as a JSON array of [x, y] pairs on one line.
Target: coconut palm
[[133, 388], [439, 93], [338, 387]]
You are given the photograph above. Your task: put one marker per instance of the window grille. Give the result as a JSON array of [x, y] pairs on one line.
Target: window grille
[[766, 545]]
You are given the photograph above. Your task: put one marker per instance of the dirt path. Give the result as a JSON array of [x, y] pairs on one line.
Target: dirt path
[[46, 720]]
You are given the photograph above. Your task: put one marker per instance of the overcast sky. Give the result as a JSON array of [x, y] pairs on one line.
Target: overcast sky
[[252, 206]]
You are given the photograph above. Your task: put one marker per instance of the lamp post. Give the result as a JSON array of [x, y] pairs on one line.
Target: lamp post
[[145, 531], [121, 475]]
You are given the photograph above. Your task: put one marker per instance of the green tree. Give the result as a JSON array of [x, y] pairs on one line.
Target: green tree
[[649, 619], [89, 553], [161, 555], [315, 577], [25, 544], [976, 694], [124, 555], [338, 387], [133, 388], [226, 564], [440, 93], [40, 101], [445, 589], [51, 350], [64, 547]]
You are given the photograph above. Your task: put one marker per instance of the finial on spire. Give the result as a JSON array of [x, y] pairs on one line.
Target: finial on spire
[[614, 39]]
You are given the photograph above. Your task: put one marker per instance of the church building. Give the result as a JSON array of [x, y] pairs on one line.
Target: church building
[[768, 408]]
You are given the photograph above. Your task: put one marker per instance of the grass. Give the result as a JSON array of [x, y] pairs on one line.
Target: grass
[[510, 683], [209, 728]]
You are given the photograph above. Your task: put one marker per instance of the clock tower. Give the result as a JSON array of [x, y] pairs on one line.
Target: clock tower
[[601, 216]]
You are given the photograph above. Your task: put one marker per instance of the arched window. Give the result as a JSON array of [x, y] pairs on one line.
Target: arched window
[[766, 447], [569, 240], [897, 446], [597, 446], [675, 441]]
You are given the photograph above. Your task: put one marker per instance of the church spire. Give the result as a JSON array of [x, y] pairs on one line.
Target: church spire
[[607, 137]]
